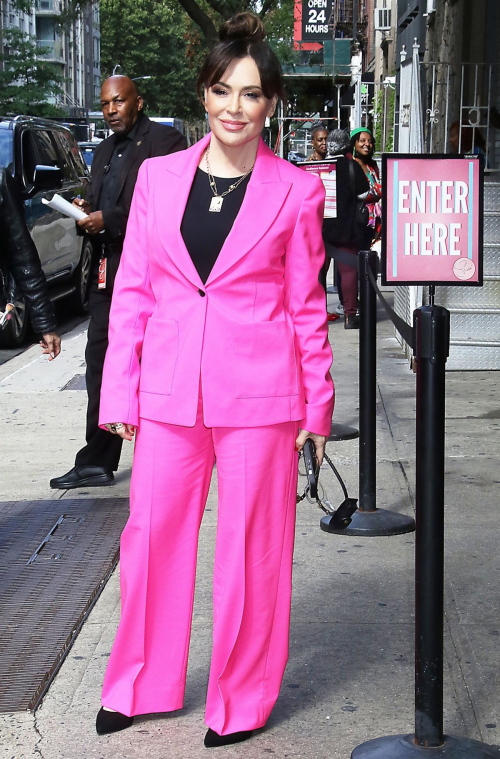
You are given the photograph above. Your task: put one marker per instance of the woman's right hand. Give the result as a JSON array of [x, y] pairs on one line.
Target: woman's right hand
[[125, 431]]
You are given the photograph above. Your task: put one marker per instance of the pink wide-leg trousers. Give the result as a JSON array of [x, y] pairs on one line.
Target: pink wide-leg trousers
[[257, 480]]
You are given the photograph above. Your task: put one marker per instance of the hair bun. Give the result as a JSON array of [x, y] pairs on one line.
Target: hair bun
[[242, 26]]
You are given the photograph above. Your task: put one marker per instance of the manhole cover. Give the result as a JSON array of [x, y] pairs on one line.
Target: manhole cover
[[76, 383], [55, 558]]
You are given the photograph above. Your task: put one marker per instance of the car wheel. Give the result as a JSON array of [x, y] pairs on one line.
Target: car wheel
[[13, 334], [82, 279]]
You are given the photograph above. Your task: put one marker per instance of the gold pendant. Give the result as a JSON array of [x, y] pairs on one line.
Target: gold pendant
[[216, 204]]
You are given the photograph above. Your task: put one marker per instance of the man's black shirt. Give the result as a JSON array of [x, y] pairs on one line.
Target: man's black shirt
[[111, 176]]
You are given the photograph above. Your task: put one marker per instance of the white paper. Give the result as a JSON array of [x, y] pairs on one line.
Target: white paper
[[68, 209]]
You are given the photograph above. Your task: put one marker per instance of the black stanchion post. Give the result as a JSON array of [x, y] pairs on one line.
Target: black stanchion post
[[342, 432], [367, 385], [368, 520], [432, 326], [432, 329]]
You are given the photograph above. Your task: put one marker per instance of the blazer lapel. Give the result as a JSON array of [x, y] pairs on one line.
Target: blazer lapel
[[132, 153], [264, 197], [170, 204]]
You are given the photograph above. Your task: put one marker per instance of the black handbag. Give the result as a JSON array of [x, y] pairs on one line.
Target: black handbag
[[336, 519], [361, 213]]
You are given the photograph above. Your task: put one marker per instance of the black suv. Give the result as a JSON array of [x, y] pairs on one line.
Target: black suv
[[28, 143]]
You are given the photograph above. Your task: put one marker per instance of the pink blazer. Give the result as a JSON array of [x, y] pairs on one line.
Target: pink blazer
[[255, 334]]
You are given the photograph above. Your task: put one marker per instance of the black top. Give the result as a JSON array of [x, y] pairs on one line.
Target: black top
[[111, 174], [203, 231]]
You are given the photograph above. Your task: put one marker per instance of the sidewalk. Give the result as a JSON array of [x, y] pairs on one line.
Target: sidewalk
[[350, 675]]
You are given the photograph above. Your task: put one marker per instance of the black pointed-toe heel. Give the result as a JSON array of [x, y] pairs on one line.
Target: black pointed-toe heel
[[110, 722], [213, 739]]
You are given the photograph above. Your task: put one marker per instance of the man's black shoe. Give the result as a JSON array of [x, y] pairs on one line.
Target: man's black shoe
[[83, 476]]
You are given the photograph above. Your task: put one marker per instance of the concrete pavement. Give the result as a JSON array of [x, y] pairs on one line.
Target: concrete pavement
[[350, 675]]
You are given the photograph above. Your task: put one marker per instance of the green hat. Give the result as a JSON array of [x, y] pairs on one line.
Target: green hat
[[358, 130]]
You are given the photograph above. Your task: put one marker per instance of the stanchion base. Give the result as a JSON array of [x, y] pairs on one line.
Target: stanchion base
[[342, 432], [404, 747], [373, 523]]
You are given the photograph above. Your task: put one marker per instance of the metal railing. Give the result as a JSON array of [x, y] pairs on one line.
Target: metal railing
[[323, 69], [456, 104], [65, 99]]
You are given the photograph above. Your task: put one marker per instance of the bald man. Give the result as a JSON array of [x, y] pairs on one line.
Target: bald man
[[114, 173]]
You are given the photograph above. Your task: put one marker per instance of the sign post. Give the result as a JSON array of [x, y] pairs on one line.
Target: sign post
[[433, 235], [432, 220]]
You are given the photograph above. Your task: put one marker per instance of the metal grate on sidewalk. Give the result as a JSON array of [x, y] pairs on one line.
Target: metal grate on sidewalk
[[55, 558]]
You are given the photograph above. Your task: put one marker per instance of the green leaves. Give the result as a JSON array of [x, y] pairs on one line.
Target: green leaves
[[27, 82], [150, 38], [167, 40]]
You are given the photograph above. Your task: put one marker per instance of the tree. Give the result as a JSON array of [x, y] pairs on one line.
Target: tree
[[167, 41], [149, 38], [27, 82], [208, 14]]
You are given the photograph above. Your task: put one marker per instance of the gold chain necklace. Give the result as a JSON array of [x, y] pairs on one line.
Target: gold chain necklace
[[217, 200]]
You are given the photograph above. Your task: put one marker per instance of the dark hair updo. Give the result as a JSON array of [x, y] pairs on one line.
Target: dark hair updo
[[241, 37]]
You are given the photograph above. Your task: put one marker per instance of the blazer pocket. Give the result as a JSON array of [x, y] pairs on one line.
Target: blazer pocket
[[265, 364], [159, 356]]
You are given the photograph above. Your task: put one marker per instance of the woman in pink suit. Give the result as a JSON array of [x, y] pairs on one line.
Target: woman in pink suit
[[218, 351]]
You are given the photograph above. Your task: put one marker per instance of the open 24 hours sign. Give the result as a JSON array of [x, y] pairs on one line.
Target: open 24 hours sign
[[432, 230], [316, 17]]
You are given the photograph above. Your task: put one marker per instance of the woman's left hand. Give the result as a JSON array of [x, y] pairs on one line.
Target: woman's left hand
[[318, 440]]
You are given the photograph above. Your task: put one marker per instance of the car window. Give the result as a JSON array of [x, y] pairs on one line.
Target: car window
[[88, 154], [37, 148], [72, 157], [44, 148], [64, 159], [77, 156], [6, 149]]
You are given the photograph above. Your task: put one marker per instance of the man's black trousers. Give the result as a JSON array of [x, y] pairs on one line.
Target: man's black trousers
[[103, 448]]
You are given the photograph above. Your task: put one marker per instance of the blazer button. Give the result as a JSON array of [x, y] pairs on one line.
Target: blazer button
[[202, 293]]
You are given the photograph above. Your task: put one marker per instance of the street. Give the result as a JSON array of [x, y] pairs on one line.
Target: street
[[350, 674], [66, 322]]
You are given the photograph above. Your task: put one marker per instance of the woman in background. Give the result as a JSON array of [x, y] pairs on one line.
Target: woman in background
[[343, 236], [362, 147]]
